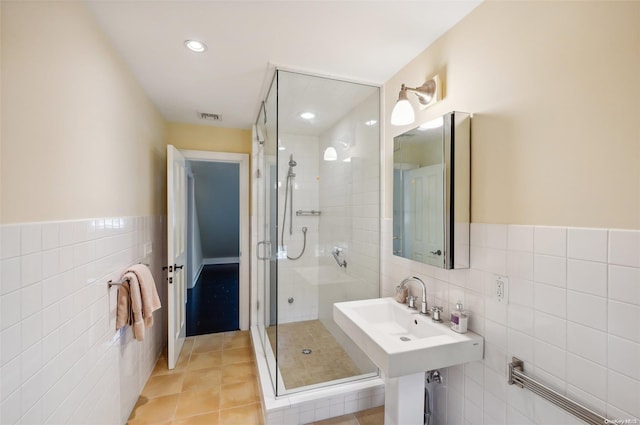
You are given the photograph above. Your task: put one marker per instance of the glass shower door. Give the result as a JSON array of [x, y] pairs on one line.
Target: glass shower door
[[266, 231]]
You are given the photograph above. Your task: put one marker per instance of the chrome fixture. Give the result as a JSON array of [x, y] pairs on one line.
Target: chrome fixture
[[288, 192], [428, 93], [423, 304], [336, 254], [435, 314], [518, 377]]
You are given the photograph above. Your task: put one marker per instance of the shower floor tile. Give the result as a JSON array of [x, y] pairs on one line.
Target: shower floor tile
[[326, 362]]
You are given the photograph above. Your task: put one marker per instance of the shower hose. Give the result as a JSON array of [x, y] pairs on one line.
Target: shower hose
[[284, 219]]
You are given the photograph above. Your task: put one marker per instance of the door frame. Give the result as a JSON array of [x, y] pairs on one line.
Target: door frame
[[244, 237]]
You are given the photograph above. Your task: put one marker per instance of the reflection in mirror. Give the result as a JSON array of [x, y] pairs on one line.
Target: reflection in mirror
[[431, 192]]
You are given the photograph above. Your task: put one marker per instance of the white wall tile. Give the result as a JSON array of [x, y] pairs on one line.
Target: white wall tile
[[520, 345], [550, 241], [10, 241], [550, 358], [551, 329], [550, 270], [587, 276], [624, 356], [624, 284], [550, 299], [588, 310], [587, 244], [624, 393], [54, 357], [10, 275], [520, 238], [31, 238], [587, 376], [587, 342], [623, 320], [624, 247], [30, 268], [521, 318], [10, 309]]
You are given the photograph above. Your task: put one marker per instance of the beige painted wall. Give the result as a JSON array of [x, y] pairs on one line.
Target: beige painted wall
[[555, 91], [80, 139], [207, 138]]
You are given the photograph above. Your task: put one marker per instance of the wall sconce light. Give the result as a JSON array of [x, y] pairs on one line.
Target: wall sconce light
[[428, 93]]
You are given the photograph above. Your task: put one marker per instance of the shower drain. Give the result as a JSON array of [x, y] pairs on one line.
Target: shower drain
[[306, 351]]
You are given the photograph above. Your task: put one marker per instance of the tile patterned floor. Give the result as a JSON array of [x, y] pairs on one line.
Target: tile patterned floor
[[327, 362], [215, 383]]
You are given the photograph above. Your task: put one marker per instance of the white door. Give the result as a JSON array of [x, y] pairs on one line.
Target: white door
[[176, 252], [424, 229]]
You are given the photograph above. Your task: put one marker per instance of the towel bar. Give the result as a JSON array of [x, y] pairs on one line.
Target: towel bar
[[117, 282], [120, 282], [517, 377], [311, 213]]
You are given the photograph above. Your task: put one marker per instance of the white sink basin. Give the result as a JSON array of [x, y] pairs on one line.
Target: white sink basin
[[402, 342]]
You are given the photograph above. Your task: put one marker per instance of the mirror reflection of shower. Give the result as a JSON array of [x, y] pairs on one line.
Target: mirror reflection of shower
[[288, 196]]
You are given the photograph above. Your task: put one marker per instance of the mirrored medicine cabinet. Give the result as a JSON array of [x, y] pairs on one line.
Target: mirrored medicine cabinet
[[432, 192]]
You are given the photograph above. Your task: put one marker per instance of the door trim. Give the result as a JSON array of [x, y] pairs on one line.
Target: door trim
[[243, 160]]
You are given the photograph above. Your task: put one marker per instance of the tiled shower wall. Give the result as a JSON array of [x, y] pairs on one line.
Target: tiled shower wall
[[62, 361], [573, 316]]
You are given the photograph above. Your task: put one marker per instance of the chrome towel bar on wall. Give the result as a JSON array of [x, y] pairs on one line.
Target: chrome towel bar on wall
[[517, 377]]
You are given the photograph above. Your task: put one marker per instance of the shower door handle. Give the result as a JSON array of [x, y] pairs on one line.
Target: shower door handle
[[268, 245]]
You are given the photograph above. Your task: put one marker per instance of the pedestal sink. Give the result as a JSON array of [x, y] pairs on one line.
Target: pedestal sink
[[404, 345]]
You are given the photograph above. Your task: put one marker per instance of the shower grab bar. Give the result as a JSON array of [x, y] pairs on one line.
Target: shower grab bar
[[336, 255], [309, 213], [517, 377]]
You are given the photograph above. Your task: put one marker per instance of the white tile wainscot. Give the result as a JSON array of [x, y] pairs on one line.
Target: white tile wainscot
[[62, 361], [573, 316]]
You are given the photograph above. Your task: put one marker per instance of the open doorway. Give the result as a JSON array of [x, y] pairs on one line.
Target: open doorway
[[217, 236], [213, 253]]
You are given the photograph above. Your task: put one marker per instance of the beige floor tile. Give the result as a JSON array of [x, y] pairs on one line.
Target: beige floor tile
[[245, 415], [373, 416], [206, 419], [237, 339], [154, 411], [237, 355], [195, 403], [205, 343], [239, 372], [160, 385], [202, 379], [234, 395], [204, 360], [341, 420]]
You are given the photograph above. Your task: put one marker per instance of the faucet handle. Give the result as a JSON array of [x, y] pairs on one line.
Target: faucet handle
[[411, 299], [435, 313]]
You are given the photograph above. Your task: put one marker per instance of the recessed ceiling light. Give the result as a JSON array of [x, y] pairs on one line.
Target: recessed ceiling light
[[195, 46], [307, 115], [371, 122]]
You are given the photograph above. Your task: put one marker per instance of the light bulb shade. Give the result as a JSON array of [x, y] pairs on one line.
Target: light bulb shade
[[330, 154], [402, 113]]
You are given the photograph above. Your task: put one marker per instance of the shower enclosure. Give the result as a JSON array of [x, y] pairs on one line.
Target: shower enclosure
[[316, 225]]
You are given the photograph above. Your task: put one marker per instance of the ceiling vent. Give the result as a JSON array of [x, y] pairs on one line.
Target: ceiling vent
[[210, 117]]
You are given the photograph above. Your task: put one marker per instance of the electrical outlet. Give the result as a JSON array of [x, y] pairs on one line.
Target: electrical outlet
[[501, 290]]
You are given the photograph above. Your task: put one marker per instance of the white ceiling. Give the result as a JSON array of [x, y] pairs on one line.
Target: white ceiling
[[366, 41]]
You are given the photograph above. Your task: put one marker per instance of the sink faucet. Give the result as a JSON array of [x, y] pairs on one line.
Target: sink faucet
[[423, 305]]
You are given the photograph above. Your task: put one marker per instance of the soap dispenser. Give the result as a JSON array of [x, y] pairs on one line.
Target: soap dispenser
[[459, 319]]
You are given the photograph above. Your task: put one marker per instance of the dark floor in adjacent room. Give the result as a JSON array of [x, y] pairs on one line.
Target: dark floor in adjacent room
[[212, 305]]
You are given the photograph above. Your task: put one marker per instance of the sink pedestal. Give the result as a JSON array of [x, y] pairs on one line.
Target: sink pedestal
[[404, 400]]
